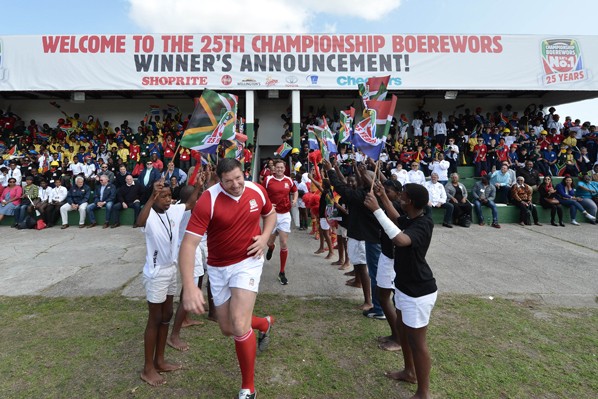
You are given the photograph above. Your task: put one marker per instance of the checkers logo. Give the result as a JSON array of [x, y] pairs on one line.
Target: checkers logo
[[252, 205], [226, 80]]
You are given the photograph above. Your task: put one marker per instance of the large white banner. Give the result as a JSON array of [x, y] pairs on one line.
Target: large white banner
[[236, 62]]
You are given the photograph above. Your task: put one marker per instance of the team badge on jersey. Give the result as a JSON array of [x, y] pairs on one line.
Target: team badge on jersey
[[252, 205]]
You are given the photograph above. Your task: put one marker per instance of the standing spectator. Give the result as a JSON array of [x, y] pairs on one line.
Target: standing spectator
[[440, 132], [15, 172], [184, 159], [171, 172], [480, 152], [400, 174], [146, 180], [105, 171], [416, 291], [119, 179]]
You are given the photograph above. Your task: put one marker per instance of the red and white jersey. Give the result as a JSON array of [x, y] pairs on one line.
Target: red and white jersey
[[279, 191], [230, 222]]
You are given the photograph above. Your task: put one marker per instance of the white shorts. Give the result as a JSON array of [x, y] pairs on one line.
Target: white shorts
[[324, 225], [341, 231], [204, 253], [283, 222], [356, 251], [245, 274], [415, 311], [198, 268], [385, 276], [163, 283]]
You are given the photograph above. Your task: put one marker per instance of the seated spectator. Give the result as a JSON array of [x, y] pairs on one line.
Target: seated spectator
[[438, 199], [175, 189], [127, 196], [400, 174], [521, 195], [549, 200], [584, 164], [44, 197], [146, 180], [588, 190], [483, 194], [105, 171], [11, 198], [171, 172], [76, 200], [502, 180], [119, 178], [530, 175], [104, 197], [566, 195], [158, 164], [415, 175], [56, 199], [29, 197], [440, 167], [456, 193]]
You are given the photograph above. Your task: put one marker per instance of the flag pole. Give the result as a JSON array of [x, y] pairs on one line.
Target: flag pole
[[376, 170]]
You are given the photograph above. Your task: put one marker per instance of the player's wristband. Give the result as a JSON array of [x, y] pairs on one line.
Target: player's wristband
[[389, 227]]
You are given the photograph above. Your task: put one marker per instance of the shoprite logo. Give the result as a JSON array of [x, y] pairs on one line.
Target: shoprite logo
[[562, 62]]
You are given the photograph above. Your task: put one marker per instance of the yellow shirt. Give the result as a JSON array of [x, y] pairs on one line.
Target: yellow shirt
[[123, 153]]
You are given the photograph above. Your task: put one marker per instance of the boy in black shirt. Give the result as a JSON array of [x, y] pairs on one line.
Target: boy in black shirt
[[416, 289]]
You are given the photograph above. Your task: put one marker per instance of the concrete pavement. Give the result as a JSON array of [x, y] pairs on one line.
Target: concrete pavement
[[552, 265]]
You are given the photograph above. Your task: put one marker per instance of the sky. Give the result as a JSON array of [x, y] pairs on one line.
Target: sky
[[546, 17]]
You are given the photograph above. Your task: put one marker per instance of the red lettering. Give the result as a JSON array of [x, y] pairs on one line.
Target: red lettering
[[459, 44], [444, 44], [497, 44], [486, 45], [433, 44], [379, 43]]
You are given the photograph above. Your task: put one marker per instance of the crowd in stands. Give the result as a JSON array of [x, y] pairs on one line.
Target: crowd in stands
[[84, 165]]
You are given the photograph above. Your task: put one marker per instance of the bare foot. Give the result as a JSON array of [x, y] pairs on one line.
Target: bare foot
[[402, 375], [351, 273], [319, 251], [384, 338], [344, 266], [178, 344], [167, 367], [337, 263], [390, 346], [153, 378], [353, 283], [191, 322], [329, 256], [365, 306]]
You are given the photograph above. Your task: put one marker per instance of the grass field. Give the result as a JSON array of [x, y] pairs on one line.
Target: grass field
[[321, 348]]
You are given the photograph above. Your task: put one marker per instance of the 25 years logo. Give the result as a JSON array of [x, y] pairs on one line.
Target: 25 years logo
[[562, 62]]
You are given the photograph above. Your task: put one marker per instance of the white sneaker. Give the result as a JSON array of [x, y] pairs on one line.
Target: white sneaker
[[246, 394], [589, 217], [574, 222]]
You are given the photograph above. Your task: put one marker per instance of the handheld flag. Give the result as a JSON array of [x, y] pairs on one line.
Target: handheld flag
[[375, 88], [155, 109], [283, 150], [313, 141], [346, 128], [212, 120], [370, 134]]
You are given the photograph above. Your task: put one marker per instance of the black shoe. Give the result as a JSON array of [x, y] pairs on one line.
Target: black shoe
[[561, 224], [450, 226], [370, 314], [553, 223], [269, 252], [263, 339], [283, 279]]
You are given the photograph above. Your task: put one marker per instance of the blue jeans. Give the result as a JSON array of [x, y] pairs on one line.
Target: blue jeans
[[372, 255], [21, 212], [574, 206], [478, 210], [92, 207]]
